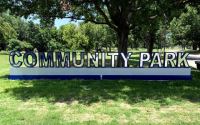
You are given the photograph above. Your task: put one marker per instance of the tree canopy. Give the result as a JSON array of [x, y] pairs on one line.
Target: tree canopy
[[122, 16], [186, 28]]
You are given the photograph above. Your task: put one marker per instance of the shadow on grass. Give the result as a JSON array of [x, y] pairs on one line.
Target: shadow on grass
[[88, 92], [4, 76]]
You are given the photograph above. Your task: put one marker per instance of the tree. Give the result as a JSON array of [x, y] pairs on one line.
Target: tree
[[67, 33], [18, 45], [117, 14], [43, 37], [91, 31], [74, 38], [26, 35], [99, 36], [6, 32], [2, 5], [186, 28], [164, 37], [23, 30], [110, 38], [33, 30], [53, 45]]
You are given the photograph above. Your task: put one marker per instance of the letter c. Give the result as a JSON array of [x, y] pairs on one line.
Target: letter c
[[12, 59]]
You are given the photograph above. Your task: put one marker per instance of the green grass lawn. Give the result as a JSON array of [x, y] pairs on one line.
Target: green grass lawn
[[54, 102]]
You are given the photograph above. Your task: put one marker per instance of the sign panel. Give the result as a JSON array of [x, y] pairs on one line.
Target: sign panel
[[29, 65]]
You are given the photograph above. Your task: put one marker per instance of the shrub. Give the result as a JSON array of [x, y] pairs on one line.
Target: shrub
[[14, 44], [18, 45]]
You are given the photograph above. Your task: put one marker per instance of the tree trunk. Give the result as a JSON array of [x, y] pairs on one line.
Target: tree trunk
[[110, 48], [183, 47], [144, 45], [122, 45], [199, 45], [96, 47], [150, 42], [194, 46], [132, 46], [2, 46]]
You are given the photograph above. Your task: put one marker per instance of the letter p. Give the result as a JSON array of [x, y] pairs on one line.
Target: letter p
[[144, 57]]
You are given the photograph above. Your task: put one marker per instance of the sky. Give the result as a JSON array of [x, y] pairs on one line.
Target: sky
[[58, 22]]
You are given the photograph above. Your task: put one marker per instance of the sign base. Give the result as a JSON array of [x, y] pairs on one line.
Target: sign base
[[101, 73]]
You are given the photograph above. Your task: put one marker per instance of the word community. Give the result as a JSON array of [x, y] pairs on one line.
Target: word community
[[97, 60]]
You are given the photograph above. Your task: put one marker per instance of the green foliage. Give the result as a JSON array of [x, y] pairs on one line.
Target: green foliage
[[68, 32], [90, 30], [54, 45], [73, 38], [87, 36], [120, 15], [25, 46], [15, 44], [164, 37], [6, 32], [149, 23], [42, 38], [79, 42], [23, 30], [99, 35], [186, 28], [133, 42]]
